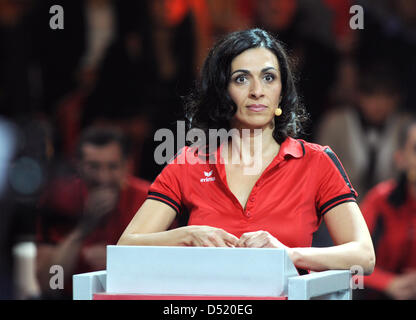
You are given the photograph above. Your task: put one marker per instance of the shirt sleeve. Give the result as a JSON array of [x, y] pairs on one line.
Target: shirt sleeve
[[168, 185], [334, 186]]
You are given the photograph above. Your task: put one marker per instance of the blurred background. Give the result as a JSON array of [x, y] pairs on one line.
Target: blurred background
[[126, 65]]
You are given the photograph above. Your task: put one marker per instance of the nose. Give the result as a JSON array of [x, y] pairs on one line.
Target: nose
[[104, 177], [256, 89]]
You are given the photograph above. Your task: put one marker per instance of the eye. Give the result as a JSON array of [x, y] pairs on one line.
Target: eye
[[269, 77], [240, 79]]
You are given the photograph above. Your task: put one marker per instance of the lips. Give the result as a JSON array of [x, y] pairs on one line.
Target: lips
[[257, 107]]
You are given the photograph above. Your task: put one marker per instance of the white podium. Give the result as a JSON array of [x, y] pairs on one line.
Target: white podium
[[192, 272]]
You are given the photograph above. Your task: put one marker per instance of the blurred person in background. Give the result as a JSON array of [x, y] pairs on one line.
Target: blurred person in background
[[390, 212], [365, 134], [79, 216]]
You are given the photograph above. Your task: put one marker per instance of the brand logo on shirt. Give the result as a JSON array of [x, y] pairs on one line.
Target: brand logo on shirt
[[208, 177]]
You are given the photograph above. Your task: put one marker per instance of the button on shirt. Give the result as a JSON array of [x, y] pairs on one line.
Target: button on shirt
[[301, 184]]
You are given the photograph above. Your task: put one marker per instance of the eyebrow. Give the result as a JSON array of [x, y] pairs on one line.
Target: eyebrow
[[247, 71]]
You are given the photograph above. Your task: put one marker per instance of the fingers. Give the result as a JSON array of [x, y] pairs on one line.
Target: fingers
[[221, 238], [258, 239], [101, 201], [242, 242], [229, 239], [205, 236]]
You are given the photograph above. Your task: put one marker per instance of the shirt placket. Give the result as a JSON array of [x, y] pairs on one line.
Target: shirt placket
[[247, 212], [251, 201], [220, 169]]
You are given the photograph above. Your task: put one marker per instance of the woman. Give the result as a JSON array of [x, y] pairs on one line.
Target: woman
[[389, 210], [246, 83]]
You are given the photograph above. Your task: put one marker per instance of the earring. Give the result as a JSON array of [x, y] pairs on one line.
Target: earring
[[278, 112]]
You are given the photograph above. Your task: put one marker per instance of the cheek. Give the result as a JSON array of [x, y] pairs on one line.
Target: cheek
[[236, 94], [278, 93], [120, 173], [275, 94]]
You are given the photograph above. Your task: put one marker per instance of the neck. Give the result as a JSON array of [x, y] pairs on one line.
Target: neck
[[249, 144]]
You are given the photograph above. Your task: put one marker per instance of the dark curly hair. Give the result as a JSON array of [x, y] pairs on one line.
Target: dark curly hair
[[211, 107]]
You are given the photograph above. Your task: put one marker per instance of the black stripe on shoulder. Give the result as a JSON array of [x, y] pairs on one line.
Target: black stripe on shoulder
[[161, 195], [341, 170], [165, 202], [333, 206], [303, 147], [341, 197]]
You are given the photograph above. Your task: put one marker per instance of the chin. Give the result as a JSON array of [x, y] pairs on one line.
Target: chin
[[257, 124]]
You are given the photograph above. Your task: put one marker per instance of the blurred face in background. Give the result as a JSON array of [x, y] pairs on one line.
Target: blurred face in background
[[378, 106], [103, 166]]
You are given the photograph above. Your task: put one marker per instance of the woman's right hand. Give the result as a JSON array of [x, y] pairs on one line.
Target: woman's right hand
[[205, 236]]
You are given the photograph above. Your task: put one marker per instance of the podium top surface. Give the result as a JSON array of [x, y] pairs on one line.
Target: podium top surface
[[198, 270], [203, 258]]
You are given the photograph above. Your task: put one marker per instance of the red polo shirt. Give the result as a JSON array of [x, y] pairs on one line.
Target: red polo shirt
[[393, 231], [301, 184]]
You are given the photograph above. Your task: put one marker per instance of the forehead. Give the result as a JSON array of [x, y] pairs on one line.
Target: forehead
[[255, 59], [108, 152]]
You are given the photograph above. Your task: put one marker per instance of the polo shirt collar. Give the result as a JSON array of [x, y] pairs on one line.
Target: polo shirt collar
[[291, 147]]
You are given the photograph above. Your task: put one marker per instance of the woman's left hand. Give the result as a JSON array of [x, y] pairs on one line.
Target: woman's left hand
[[259, 239]]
